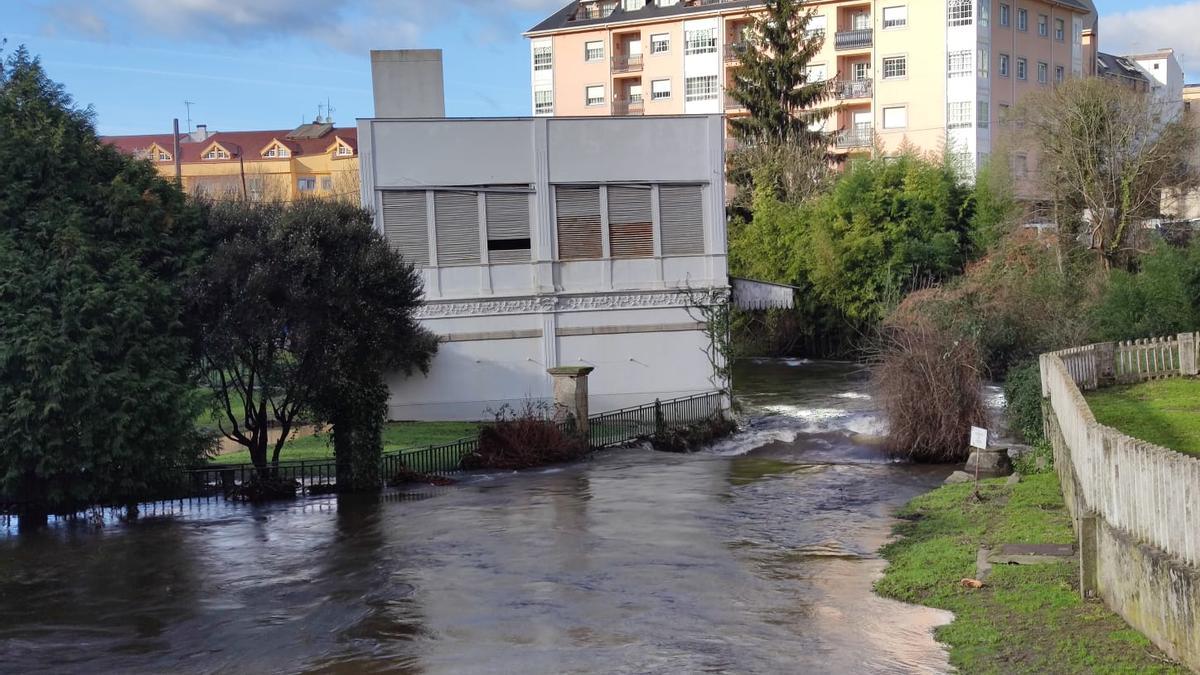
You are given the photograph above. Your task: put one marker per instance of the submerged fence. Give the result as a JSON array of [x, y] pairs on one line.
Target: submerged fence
[[605, 430]]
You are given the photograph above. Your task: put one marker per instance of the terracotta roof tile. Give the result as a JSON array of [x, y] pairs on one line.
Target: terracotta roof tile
[[236, 142]]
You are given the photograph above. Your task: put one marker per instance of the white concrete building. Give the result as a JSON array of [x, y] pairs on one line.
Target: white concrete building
[[1166, 80], [552, 242]]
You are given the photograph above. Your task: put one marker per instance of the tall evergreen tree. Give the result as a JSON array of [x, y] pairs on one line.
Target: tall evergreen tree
[[96, 396], [772, 79]]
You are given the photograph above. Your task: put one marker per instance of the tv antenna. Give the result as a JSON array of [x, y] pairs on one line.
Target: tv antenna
[[329, 110], [189, 105]]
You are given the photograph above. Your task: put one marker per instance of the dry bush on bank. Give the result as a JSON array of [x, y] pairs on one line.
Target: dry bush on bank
[[929, 386], [522, 439]]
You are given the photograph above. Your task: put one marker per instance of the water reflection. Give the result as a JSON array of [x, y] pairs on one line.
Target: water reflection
[[755, 557]]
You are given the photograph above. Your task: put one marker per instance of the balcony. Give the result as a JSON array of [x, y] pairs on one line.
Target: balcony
[[627, 63], [735, 50], [851, 89], [862, 136], [733, 105], [853, 39], [624, 107]]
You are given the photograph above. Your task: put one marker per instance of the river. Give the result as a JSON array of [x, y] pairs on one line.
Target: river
[[755, 556]]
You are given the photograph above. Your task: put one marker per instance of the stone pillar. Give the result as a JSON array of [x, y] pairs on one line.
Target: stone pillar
[[1187, 354], [571, 393]]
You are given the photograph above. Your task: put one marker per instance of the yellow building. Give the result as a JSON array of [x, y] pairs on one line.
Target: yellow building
[[930, 74], [313, 159]]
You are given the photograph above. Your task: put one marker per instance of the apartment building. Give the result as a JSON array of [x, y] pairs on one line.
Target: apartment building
[[924, 73], [315, 159]]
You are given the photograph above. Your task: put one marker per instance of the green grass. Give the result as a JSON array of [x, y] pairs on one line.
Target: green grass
[[396, 436], [1027, 619], [1164, 412]]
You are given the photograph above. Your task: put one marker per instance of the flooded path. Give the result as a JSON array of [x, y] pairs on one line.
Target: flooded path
[[754, 557]]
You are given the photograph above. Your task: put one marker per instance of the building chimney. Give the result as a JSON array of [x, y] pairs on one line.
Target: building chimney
[[408, 83]]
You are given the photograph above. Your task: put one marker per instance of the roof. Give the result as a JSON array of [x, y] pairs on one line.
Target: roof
[[1110, 65], [565, 19], [249, 143]]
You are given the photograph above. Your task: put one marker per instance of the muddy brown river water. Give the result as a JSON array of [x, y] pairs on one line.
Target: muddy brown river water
[[754, 556]]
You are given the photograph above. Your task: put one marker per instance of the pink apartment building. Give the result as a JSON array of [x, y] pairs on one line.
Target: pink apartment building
[[932, 73]]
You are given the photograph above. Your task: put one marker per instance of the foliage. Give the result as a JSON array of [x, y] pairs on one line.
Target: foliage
[[302, 308], [1027, 618], [1023, 401], [396, 436], [1163, 412], [694, 436], [96, 399], [1039, 459], [1161, 298], [771, 80], [930, 390], [1112, 151], [790, 171], [713, 308], [524, 438]]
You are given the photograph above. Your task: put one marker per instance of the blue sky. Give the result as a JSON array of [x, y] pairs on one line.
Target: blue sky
[[262, 64]]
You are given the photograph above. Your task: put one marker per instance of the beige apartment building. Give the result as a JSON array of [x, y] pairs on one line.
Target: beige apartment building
[[927, 73]]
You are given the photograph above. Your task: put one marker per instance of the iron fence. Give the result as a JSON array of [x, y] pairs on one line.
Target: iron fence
[[622, 426]]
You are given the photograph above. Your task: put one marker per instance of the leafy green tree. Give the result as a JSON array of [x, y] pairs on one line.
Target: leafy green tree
[[1161, 298], [303, 308], [96, 396], [771, 80]]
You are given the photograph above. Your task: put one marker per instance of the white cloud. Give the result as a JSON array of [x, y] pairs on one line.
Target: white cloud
[[1154, 27]]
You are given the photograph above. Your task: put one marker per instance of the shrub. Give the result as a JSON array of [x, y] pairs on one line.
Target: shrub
[[930, 388], [1040, 459], [1023, 401], [1162, 298], [691, 437], [522, 439]]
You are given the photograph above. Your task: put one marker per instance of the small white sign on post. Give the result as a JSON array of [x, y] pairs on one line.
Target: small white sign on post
[[979, 438]]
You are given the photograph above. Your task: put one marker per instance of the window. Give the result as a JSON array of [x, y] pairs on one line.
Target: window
[[1020, 165], [959, 115], [1005, 15], [543, 102], [700, 88], [593, 50], [164, 156], [984, 59], [983, 117], [577, 216], [306, 184], [860, 70], [507, 226], [860, 21], [1022, 19], [1060, 74], [985, 13], [895, 67], [895, 117], [660, 90], [816, 26], [594, 94], [660, 43], [959, 63], [216, 153], [681, 219], [344, 151], [405, 225], [1043, 25], [1060, 30], [630, 225], [634, 93], [1022, 69], [456, 222], [895, 17], [1043, 73], [1003, 66], [960, 12], [631, 5], [254, 187], [271, 152], [1002, 113], [815, 73], [543, 58], [703, 41], [327, 183]]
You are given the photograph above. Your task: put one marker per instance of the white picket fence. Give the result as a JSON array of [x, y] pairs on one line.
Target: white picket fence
[[1149, 492]]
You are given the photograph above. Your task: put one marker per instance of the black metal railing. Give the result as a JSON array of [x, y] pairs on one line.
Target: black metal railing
[[627, 63], [629, 106], [853, 39], [850, 89], [735, 50], [862, 136], [626, 425], [732, 103]]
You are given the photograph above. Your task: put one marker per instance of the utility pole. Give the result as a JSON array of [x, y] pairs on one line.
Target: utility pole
[[189, 105], [175, 153]]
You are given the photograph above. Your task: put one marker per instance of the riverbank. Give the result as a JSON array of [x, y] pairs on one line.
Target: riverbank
[[1026, 619]]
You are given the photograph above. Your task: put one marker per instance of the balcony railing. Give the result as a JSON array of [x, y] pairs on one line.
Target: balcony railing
[[735, 50], [629, 106], [627, 63], [848, 89], [853, 39], [733, 104], [862, 136]]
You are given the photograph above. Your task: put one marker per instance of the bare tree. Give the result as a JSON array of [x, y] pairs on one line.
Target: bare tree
[[1105, 151]]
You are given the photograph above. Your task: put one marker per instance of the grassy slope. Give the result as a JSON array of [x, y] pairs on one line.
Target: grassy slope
[[396, 435], [1028, 619], [1165, 412]]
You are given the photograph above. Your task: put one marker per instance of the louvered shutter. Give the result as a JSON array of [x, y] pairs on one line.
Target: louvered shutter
[[630, 223], [508, 226], [681, 211], [405, 225], [456, 217], [578, 215]]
